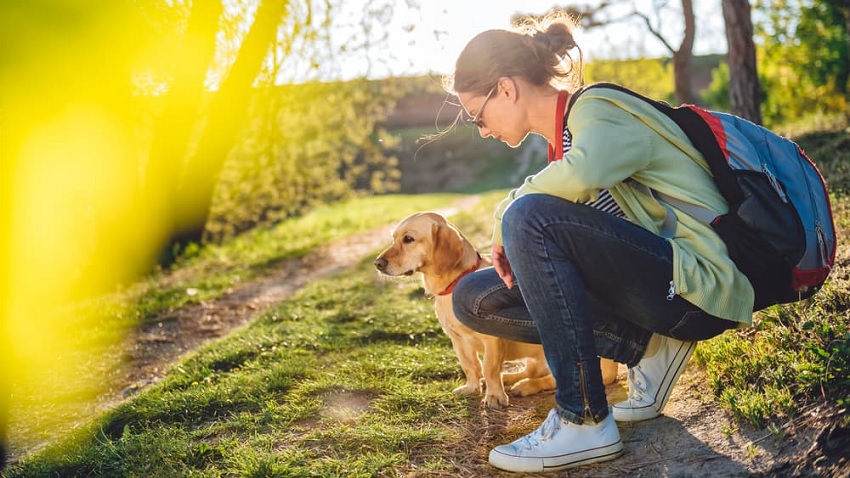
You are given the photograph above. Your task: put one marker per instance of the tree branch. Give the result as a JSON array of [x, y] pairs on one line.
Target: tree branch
[[655, 32]]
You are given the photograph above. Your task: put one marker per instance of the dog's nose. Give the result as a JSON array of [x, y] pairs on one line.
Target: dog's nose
[[380, 264]]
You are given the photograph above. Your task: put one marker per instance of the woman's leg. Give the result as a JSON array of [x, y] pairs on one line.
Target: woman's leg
[[567, 257], [483, 303]]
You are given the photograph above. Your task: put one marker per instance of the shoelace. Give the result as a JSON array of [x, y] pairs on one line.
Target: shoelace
[[637, 386], [543, 433]]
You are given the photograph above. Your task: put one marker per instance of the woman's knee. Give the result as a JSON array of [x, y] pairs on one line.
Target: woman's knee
[[481, 294], [528, 217], [462, 299]]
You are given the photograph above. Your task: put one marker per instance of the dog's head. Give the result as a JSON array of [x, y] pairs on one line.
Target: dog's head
[[424, 242]]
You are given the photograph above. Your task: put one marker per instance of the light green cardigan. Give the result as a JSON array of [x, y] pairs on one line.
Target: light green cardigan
[[616, 137]]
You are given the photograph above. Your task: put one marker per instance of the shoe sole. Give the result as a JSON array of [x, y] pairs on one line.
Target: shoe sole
[[562, 462], [671, 376]]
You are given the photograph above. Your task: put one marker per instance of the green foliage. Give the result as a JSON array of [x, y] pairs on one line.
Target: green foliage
[[716, 96], [803, 58], [650, 77], [305, 145]]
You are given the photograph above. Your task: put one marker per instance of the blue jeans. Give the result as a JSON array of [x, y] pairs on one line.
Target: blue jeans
[[590, 284]]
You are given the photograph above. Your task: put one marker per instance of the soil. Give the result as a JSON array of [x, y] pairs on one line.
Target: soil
[[694, 437]]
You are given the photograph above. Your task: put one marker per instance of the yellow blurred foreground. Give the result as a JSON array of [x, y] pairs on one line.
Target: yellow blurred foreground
[[84, 204]]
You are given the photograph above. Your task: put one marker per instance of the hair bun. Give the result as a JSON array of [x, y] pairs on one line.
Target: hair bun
[[559, 38], [543, 38]]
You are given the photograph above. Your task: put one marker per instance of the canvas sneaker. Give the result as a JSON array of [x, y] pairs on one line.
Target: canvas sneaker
[[558, 444], [651, 381]]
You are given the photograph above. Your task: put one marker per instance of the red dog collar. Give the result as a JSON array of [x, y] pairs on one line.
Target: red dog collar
[[451, 286]]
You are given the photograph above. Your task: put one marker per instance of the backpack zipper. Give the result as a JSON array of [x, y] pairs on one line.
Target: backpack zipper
[[775, 183], [821, 244]]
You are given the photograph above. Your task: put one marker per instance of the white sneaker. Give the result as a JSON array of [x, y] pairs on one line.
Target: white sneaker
[[651, 381], [559, 444]]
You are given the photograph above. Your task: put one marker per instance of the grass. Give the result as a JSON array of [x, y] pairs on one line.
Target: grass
[[96, 329], [211, 270], [353, 376]]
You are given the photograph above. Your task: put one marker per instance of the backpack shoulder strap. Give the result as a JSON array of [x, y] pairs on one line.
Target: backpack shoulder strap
[[699, 133]]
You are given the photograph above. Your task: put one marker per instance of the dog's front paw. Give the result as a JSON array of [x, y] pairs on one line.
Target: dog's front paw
[[496, 400], [468, 389]]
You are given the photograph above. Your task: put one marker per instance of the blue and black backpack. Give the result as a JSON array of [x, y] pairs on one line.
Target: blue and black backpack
[[779, 229]]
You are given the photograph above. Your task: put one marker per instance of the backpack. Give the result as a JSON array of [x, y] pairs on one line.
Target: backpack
[[779, 229]]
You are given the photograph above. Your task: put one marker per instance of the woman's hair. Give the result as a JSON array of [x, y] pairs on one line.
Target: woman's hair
[[538, 49]]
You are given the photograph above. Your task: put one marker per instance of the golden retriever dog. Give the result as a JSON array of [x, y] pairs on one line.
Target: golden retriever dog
[[428, 244]]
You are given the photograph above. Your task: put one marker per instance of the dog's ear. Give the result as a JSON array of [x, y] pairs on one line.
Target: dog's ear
[[448, 248]]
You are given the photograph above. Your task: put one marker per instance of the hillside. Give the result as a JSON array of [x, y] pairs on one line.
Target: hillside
[[462, 161]]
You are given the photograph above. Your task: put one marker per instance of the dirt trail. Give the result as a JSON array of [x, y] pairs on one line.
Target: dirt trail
[[154, 347], [694, 438]]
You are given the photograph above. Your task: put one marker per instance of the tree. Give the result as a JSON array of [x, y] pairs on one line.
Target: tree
[[195, 138], [683, 55], [600, 15], [229, 107], [744, 88], [114, 129]]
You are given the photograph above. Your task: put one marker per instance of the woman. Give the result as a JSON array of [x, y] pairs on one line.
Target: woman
[[570, 274]]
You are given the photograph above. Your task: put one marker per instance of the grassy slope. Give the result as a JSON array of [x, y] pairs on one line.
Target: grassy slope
[[352, 377]]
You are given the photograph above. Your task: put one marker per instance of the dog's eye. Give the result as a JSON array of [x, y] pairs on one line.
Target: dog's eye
[[407, 239]]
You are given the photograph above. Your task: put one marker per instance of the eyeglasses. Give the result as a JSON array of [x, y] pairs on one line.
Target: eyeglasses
[[477, 120]]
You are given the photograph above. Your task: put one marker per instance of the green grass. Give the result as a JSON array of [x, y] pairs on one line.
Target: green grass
[[211, 270], [95, 330], [353, 376], [796, 355]]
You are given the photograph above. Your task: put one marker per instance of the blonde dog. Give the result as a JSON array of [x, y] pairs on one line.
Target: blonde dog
[[428, 244]]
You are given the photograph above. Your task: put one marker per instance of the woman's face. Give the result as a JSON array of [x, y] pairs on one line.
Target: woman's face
[[492, 115]]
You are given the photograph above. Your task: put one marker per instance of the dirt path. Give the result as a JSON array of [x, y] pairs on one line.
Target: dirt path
[[695, 438], [154, 347]]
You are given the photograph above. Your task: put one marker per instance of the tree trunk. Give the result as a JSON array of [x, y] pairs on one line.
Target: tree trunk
[[682, 57], [173, 131], [744, 88], [227, 112]]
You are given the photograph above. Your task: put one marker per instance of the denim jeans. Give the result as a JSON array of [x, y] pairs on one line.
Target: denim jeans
[[589, 284]]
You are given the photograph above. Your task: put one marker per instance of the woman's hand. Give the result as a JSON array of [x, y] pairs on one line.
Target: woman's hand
[[502, 266]]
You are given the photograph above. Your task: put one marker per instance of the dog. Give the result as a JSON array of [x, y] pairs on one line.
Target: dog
[[428, 244]]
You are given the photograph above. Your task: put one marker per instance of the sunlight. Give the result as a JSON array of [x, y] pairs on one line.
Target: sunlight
[[77, 221]]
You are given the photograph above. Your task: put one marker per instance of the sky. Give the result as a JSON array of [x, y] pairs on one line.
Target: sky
[[430, 37]]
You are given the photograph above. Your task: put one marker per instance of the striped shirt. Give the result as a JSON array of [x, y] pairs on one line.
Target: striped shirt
[[604, 202]]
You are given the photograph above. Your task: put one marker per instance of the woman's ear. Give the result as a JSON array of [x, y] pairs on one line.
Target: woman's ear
[[509, 87]]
